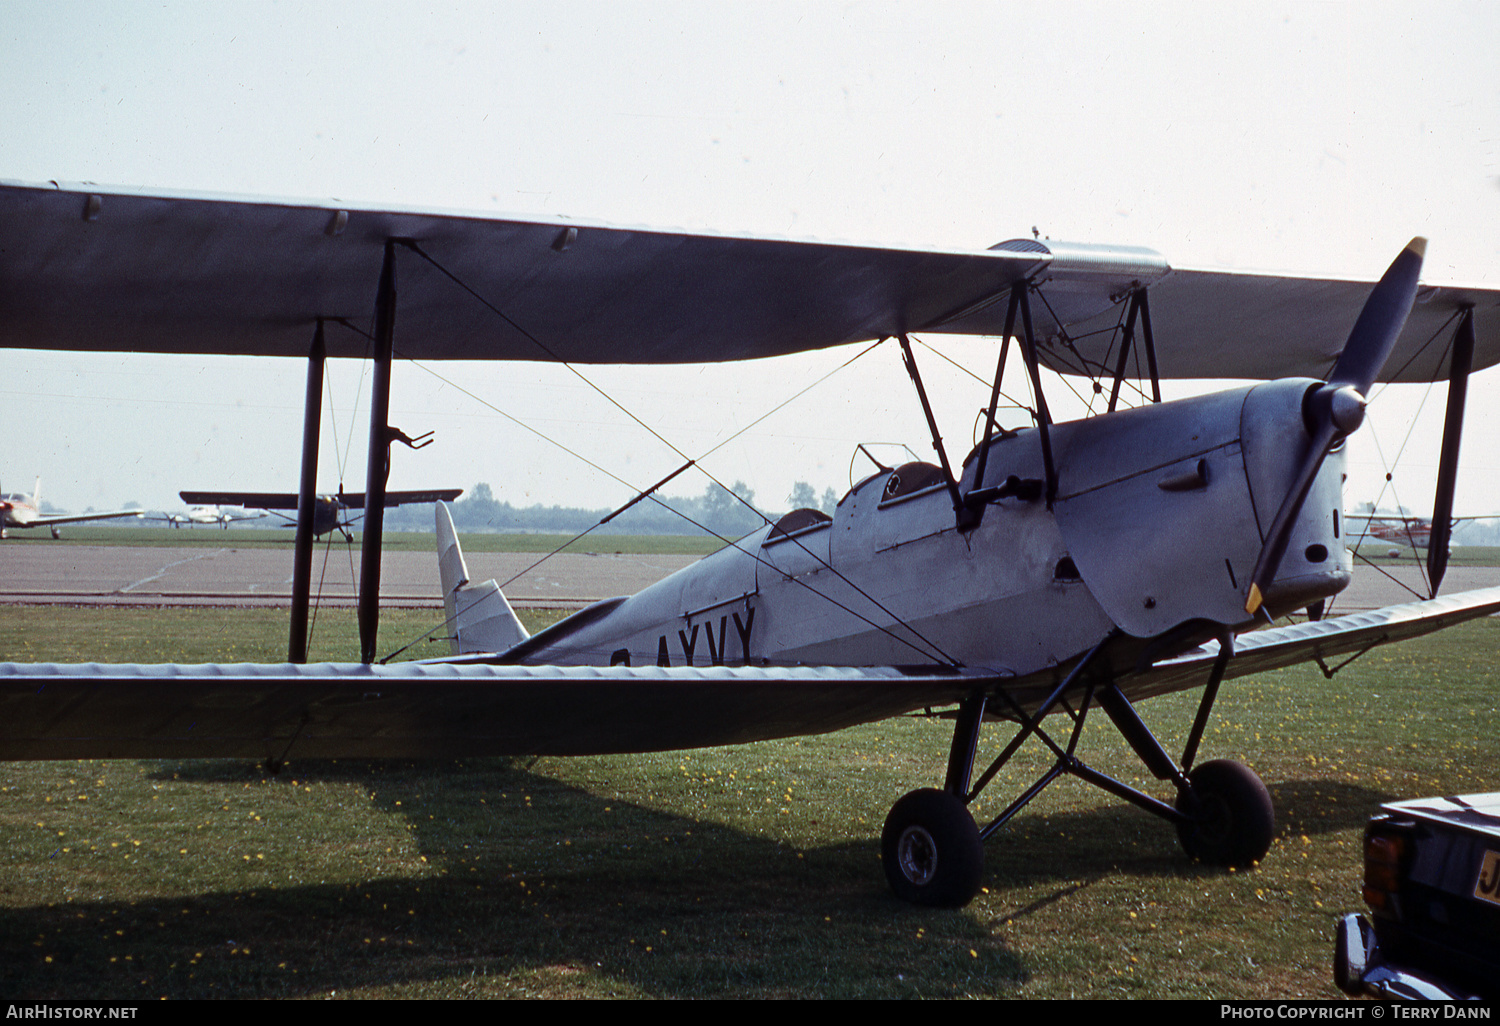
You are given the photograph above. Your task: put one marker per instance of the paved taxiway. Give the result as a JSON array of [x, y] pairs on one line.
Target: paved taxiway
[[120, 575]]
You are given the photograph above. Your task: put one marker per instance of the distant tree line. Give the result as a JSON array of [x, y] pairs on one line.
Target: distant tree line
[[727, 512]]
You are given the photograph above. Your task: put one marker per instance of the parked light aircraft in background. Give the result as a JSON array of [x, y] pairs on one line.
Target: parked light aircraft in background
[[220, 516], [1061, 568], [21, 510], [330, 512], [1413, 531], [1403, 530]]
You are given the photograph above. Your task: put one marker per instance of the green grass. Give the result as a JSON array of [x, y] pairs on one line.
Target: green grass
[[744, 872], [183, 634], [395, 541], [1376, 551]]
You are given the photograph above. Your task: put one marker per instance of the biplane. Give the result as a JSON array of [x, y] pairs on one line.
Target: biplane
[[1057, 573], [330, 512]]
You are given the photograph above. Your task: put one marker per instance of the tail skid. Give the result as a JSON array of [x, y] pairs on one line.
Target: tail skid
[[481, 618]]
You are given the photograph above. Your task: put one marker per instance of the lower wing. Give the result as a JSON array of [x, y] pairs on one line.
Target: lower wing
[[277, 711]]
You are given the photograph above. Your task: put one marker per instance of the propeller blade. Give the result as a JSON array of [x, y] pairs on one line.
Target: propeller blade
[[1337, 407], [1381, 321], [1286, 517]]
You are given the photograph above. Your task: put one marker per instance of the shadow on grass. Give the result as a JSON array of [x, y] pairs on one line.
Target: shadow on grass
[[539, 888], [542, 888], [1315, 807], [1072, 848]]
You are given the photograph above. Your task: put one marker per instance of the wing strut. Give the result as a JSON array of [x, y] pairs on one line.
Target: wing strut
[[378, 465], [307, 499], [966, 516], [1459, 366], [1021, 294], [1139, 307], [980, 495]]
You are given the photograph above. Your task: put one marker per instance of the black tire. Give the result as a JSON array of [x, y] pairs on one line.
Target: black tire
[[931, 850], [1233, 819]]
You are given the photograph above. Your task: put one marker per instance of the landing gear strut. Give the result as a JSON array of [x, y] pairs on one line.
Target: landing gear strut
[[933, 852]]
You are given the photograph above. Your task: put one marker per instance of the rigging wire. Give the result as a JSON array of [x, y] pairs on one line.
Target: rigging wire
[[341, 457], [648, 493], [412, 245], [760, 560], [739, 498], [1389, 466], [942, 656], [499, 313], [1086, 366]]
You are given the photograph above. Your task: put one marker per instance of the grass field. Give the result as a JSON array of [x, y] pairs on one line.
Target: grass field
[[739, 872]]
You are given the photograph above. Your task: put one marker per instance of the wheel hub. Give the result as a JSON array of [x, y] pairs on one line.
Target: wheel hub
[[916, 854]]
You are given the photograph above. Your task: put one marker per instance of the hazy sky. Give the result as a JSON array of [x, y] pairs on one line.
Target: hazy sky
[[1315, 137]]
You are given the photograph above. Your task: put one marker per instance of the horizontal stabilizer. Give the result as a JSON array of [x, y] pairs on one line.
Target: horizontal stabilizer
[[480, 616]]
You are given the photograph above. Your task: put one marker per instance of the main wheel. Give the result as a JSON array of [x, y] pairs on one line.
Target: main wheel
[[931, 850], [1233, 819]]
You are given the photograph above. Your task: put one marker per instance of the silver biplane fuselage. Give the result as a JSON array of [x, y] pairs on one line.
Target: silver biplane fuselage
[[1155, 527]]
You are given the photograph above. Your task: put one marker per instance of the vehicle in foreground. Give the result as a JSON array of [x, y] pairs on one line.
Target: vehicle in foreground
[[1432, 882]]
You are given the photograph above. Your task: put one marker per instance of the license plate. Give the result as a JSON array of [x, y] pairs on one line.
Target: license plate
[[1487, 886]]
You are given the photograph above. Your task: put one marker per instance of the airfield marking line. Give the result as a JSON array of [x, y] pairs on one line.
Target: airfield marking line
[[162, 572]]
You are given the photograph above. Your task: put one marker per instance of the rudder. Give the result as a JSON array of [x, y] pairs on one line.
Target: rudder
[[480, 616]]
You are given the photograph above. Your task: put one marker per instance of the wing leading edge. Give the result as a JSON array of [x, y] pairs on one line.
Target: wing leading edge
[[79, 518]]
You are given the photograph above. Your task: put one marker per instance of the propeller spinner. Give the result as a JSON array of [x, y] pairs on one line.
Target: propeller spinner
[[1337, 408]]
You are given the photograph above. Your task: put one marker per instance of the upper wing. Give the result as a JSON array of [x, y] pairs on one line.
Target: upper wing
[[1222, 324], [357, 499], [288, 500], [84, 269], [77, 518], [131, 271]]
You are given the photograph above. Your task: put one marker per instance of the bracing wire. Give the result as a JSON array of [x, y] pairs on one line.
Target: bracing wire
[[499, 313], [942, 657], [1389, 466]]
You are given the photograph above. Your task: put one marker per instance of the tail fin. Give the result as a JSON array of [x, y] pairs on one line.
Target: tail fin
[[482, 619]]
